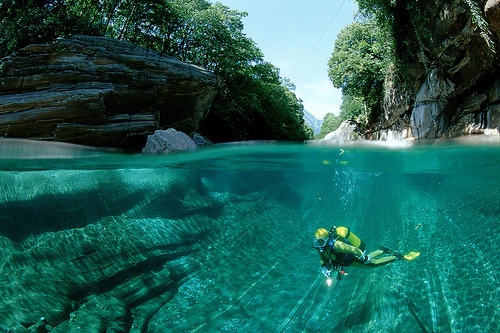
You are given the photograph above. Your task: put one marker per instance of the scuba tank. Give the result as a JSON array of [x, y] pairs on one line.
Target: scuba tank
[[347, 237]]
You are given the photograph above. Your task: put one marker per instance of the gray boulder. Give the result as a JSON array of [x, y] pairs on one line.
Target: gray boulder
[[200, 140], [430, 102], [168, 141], [492, 12], [347, 131]]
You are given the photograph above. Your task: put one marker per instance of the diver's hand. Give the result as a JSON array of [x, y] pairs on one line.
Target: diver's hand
[[325, 271], [365, 259]]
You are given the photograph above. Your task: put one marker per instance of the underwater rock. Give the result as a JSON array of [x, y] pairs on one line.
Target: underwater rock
[[95, 272], [135, 250], [116, 274], [32, 203], [98, 313]]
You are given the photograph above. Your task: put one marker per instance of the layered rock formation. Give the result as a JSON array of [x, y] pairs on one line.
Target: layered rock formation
[[455, 72], [104, 250], [101, 92]]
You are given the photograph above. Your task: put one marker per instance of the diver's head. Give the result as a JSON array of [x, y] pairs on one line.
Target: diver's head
[[320, 239], [321, 233]]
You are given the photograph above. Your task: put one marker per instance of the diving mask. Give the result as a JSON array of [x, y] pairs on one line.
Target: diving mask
[[320, 243]]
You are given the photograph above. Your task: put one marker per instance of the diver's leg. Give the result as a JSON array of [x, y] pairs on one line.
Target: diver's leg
[[376, 253], [375, 262], [361, 265], [383, 261]]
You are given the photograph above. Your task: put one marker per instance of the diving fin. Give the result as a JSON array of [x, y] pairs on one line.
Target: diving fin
[[408, 256], [411, 255], [394, 253]]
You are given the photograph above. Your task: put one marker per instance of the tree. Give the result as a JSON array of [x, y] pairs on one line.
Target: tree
[[256, 98], [330, 123], [353, 108], [404, 20], [361, 55], [24, 22], [308, 131], [254, 102]]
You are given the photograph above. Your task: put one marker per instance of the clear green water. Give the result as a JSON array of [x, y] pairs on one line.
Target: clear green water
[[244, 217]]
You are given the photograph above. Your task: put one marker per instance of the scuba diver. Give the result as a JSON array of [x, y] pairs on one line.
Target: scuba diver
[[339, 248]]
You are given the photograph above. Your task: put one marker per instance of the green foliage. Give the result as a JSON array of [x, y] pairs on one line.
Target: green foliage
[[381, 10], [263, 110], [24, 22], [308, 131], [479, 19], [362, 53], [254, 101], [408, 22], [330, 123], [353, 108]]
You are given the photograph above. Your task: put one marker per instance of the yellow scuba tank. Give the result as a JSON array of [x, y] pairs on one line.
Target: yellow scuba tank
[[350, 237]]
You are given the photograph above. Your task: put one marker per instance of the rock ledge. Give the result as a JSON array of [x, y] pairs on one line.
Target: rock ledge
[[99, 91]]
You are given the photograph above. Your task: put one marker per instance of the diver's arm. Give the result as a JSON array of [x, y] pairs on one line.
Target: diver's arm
[[325, 266], [324, 261], [346, 248]]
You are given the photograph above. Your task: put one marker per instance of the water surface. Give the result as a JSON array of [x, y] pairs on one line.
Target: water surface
[[219, 239]]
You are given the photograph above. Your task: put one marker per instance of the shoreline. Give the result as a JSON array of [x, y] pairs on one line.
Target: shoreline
[[470, 140]]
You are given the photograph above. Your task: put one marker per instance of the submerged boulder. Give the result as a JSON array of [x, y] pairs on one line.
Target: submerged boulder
[[99, 91], [97, 250], [138, 249]]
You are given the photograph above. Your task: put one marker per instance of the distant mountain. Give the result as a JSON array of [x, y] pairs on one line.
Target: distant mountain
[[314, 123]]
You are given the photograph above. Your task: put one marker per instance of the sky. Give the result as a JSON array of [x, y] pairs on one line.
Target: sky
[[298, 37]]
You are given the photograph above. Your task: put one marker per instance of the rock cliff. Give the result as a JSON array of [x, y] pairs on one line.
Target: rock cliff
[[453, 70], [101, 92]]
